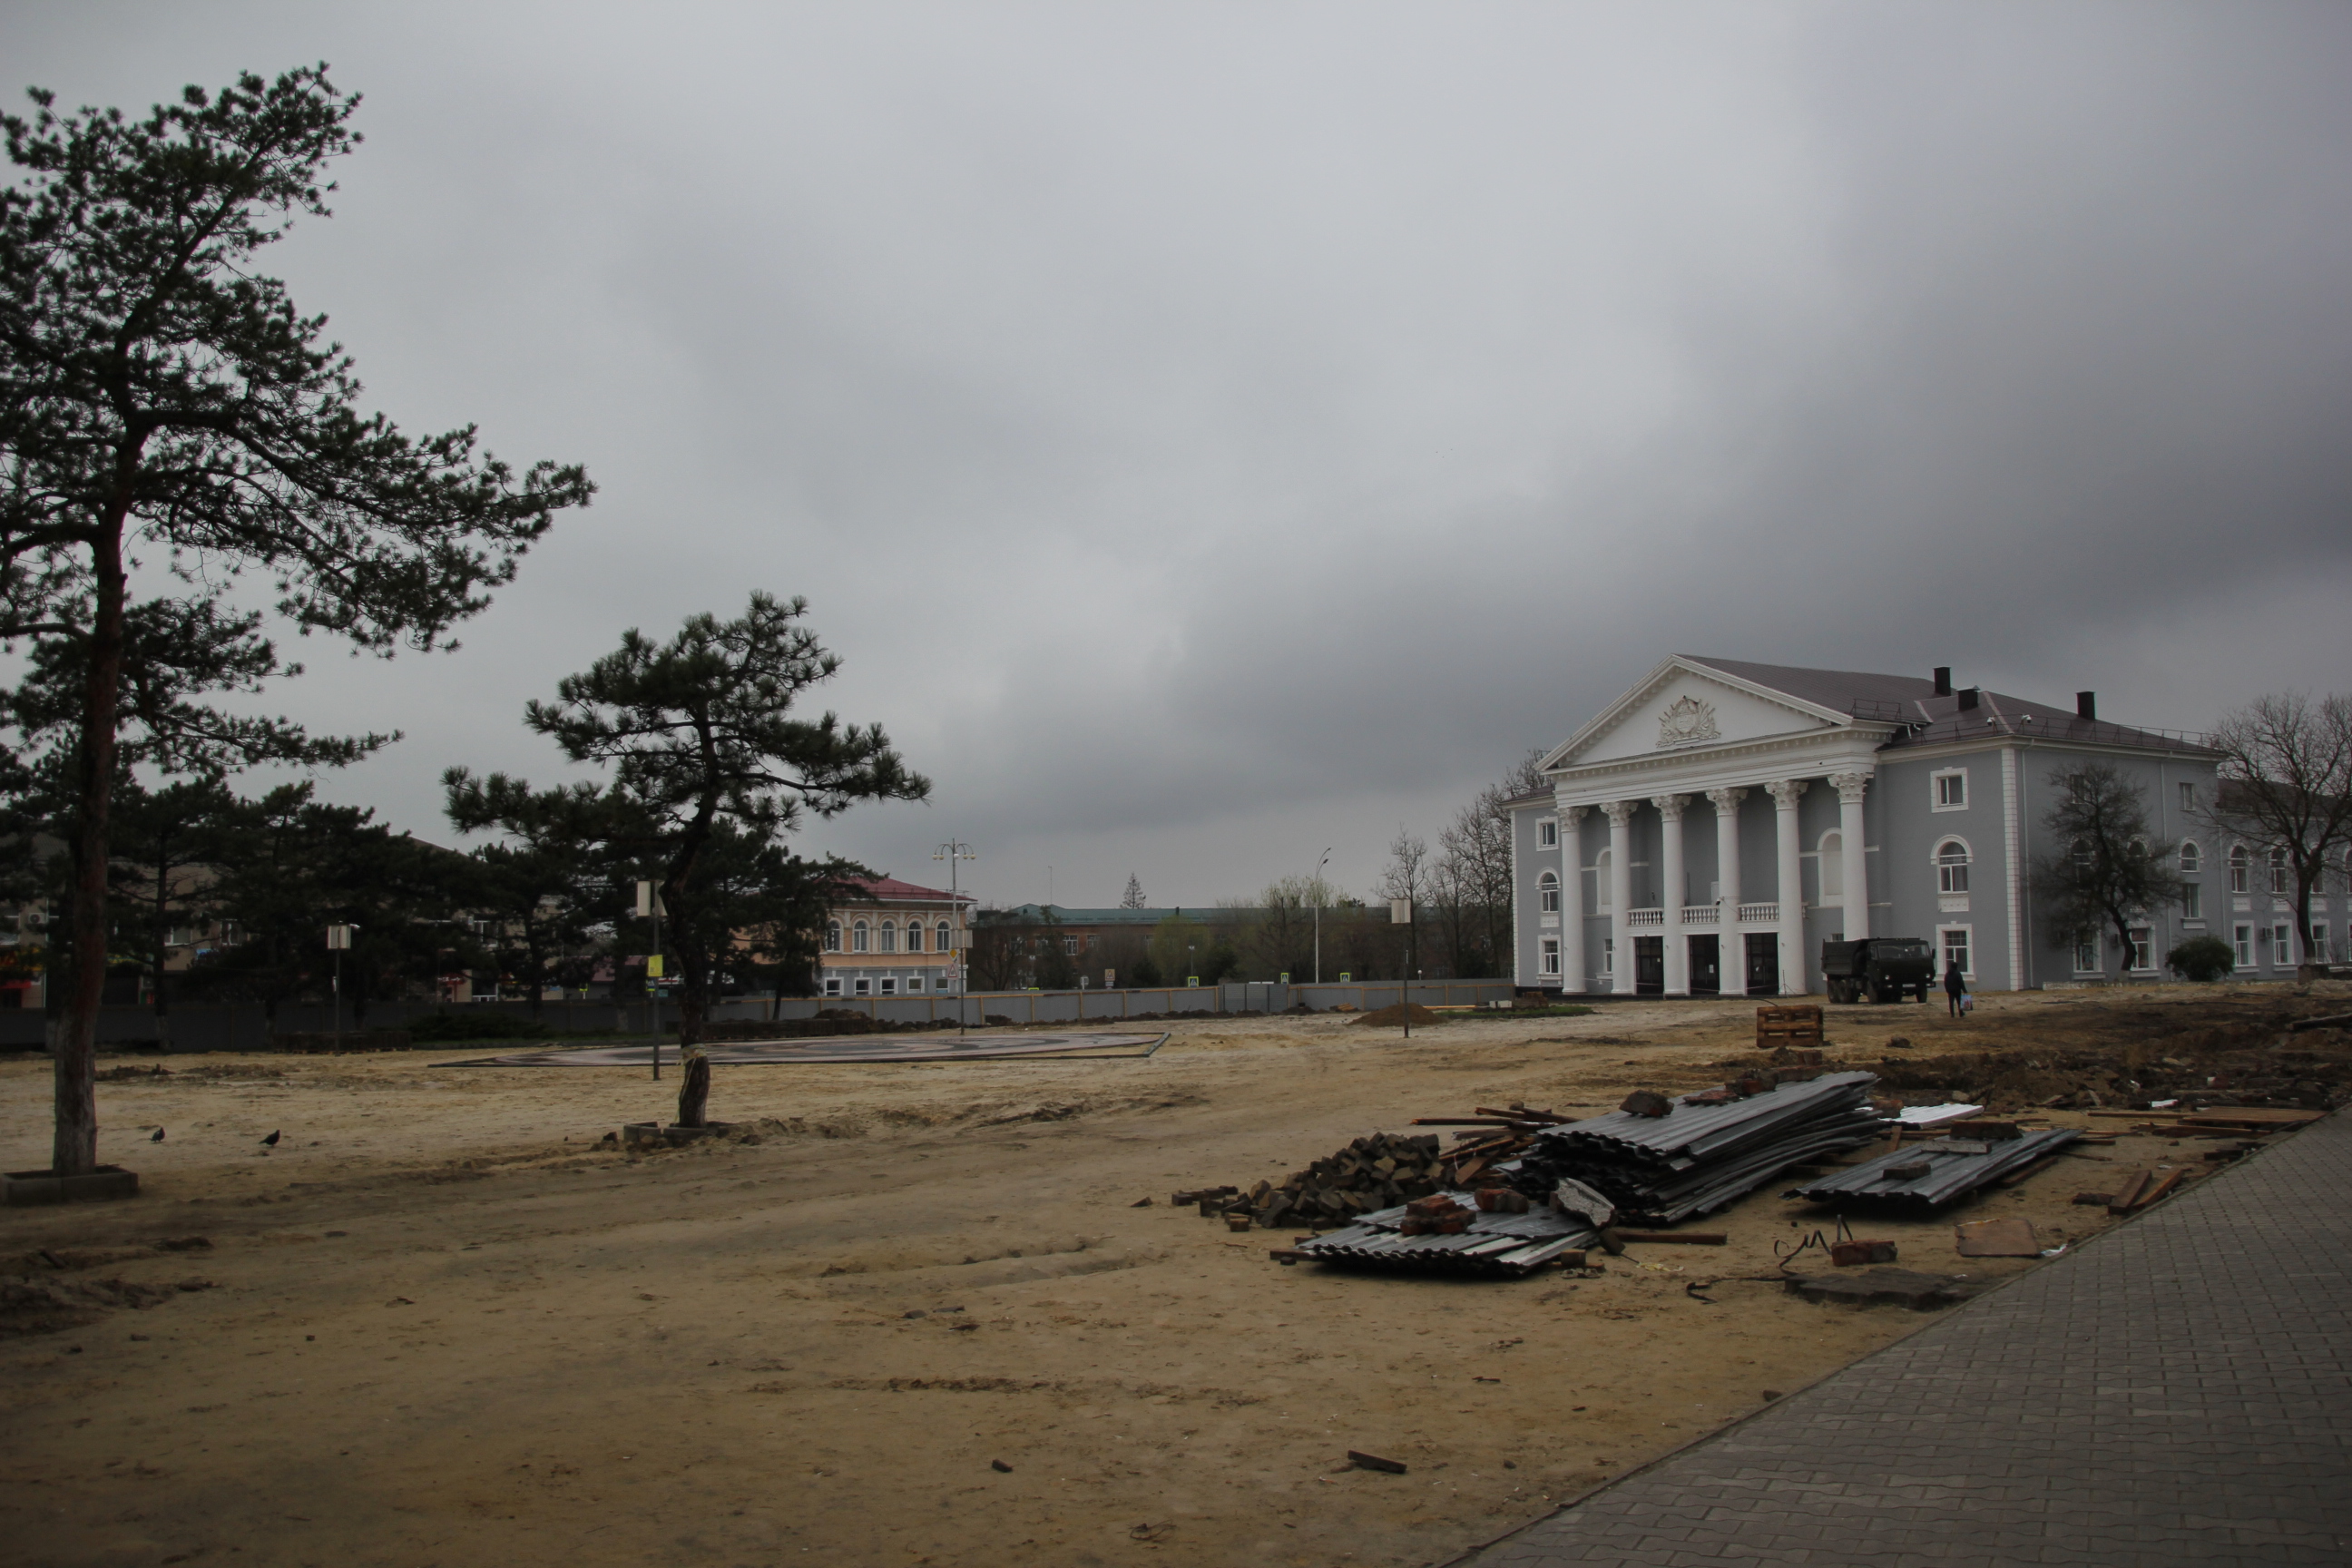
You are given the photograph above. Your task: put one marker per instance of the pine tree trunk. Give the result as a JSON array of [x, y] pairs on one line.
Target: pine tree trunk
[[74, 1151], [694, 1094]]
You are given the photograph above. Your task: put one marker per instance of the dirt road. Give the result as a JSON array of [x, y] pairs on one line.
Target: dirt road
[[918, 1321]]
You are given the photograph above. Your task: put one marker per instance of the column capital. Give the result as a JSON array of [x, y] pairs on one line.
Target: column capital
[[1670, 806], [1619, 812], [1727, 801], [1786, 793], [1572, 815], [1850, 786]]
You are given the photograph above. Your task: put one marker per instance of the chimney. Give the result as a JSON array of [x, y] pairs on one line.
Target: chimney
[[1943, 680], [2086, 705], [1968, 698]]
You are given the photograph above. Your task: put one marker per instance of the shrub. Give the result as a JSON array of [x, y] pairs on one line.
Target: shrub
[[458, 1023], [2202, 958]]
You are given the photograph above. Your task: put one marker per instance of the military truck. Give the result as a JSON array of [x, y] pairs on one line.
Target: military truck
[[1879, 967]]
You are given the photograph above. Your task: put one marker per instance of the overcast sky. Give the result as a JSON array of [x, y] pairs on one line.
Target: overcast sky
[[1213, 432]]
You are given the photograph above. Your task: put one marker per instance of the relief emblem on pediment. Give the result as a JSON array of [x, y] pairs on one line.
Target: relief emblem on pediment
[[1687, 722]]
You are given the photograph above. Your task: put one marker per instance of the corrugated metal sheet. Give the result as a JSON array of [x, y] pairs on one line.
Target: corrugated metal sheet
[[1955, 1168], [1496, 1245]]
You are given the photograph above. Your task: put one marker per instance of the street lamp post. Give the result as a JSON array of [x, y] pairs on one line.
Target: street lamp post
[[954, 851], [1318, 915]]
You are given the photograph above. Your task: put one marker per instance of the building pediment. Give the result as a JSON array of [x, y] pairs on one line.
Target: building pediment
[[1685, 708]]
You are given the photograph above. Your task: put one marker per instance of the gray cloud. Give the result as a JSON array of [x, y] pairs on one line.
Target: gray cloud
[[1210, 434]]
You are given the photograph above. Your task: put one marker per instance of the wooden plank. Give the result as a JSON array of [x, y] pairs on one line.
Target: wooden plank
[[2128, 1191], [1680, 1238], [2163, 1182]]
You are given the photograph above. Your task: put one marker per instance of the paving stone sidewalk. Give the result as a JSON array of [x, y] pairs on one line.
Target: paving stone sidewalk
[[2179, 1391]]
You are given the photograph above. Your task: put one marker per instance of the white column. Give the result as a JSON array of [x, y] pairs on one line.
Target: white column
[[1854, 853], [1621, 891], [1670, 872], [1731, 942], [1790, 873], [1571, 898], [1726, 850]]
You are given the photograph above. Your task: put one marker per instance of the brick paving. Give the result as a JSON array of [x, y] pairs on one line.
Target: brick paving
[[2178, 1391]]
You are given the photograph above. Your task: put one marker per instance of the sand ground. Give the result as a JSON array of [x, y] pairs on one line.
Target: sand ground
[[442, 1329]]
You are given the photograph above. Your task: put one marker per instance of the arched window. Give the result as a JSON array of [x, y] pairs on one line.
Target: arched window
[[2192, 859], [2237, 860], [1833, 868], [1604, 899], [858, 937], [1548, 891], [833, 936], [2279, 874], [1951, 866], [890, 936], [914, 936], [940, 936]]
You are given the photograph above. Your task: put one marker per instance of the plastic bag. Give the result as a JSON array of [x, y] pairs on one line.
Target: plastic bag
[[1968, 1001]]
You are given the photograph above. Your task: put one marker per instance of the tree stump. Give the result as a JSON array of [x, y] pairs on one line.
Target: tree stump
[[694, 1094]]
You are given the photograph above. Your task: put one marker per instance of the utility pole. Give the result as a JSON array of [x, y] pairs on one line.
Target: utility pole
[[1400, 914], [338, 942], [649, 904], [953, 852]]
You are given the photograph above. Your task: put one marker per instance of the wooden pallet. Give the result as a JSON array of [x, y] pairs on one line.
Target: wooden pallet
[[1777, 1027]]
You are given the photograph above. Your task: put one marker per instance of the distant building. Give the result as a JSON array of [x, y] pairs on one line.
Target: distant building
[[1704, 833], [891, 938]]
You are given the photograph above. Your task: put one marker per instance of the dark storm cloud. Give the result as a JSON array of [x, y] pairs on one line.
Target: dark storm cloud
[[1214, 433]]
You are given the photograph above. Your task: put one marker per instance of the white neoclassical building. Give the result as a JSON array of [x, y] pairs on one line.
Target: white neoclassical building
[[1707, 831]]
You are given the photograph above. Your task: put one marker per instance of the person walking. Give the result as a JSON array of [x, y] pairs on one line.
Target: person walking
[[1955, 986]]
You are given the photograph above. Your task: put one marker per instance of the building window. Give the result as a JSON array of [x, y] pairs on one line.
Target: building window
[[2319, 941], [833, 936], [1070, 946], [1551, 955], [2188, 797], [2283, 946], [914, 936], [940, 932], [2192, 859], [1954, 943], [890, 936], [2238, 867], [2086, 957], [859, 939], [2242, 945], [1603, 895], [865, 986], [1951, 789], [1608, 956], [1951, 866], [833, 986], [1833, 868], [2192, 902], [1548, 832], [2142, 948], [2279, 874], [889, 986], [1548, 893], [914, 982]]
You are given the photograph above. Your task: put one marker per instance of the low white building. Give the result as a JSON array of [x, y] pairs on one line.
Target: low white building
[[1708, 830]]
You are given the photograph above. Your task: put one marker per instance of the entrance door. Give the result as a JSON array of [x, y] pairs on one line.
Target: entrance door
[[1649, 966], [1763, 964], [1706, 965]]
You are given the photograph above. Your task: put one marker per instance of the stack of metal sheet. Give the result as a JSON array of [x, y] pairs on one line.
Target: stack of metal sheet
[[1496, 1245], [1954, 1166], [1696, 1158]]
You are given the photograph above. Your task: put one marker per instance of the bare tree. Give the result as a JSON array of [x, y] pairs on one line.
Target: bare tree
[[2108, 870], [1407, 877], [2287, 787]]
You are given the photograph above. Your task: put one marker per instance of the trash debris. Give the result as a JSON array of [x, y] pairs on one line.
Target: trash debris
[[1951, 1169], [1364, 1461], [1853, 1254], [2010, 1238], [1886, 1287], [1930, 1115], [1796, 1026], [1697, 1157]]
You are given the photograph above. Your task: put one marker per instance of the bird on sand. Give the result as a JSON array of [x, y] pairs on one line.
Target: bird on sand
[[272, 1140], [158, 1138]]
